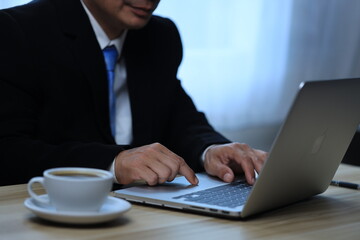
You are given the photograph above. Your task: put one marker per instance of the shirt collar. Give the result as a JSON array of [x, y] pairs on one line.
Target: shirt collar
[[101, 36]]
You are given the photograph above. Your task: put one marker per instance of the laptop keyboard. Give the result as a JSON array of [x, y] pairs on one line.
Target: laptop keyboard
[[229, 195]]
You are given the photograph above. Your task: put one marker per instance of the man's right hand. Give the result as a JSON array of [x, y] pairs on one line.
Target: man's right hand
[[154, 164]]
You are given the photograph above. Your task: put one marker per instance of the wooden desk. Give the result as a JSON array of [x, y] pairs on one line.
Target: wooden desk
[[332, 215]]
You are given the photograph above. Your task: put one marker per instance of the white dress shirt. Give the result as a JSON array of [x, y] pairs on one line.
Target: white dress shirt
[[123, 118]]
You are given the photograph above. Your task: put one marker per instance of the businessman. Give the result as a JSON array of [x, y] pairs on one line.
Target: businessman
[[92, 83]]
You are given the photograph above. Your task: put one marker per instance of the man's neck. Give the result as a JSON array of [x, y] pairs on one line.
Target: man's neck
[[112, 30]]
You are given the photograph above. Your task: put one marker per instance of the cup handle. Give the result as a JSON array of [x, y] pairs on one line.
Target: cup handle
[[33, 194]]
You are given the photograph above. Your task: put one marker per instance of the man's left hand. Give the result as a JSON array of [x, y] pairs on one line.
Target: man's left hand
[[227, 160]]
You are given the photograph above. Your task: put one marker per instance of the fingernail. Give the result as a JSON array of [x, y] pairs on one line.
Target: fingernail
[[196, 181], [253, 181], [227, 177]]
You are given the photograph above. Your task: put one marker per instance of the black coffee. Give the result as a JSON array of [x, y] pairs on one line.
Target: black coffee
[[77, 175]]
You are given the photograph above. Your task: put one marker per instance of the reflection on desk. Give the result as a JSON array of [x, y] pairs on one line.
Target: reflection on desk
[[334, 214]]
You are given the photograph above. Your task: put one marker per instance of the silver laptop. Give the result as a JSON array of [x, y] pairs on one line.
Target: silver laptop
[[302, 162]]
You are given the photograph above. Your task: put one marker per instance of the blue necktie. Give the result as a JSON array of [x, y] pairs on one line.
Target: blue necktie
[[110, 55]]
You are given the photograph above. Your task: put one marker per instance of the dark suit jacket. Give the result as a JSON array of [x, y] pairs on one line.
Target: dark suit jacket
[[53, 92]]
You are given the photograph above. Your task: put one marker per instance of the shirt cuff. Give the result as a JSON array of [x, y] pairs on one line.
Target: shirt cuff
[[112, 170], [205, 151]]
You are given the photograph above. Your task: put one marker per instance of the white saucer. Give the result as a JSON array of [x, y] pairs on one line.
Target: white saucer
[[112, 208]]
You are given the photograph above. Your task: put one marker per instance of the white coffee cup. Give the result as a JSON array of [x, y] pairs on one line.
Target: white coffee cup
[[73, 189]]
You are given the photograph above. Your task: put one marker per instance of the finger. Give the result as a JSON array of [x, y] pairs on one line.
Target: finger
[[247, 159], [261, 157], [141, 174], [168, 163], [173, 165], [149, 176], [188, 173], [222, 171], [249, 169], [178, 165], [227, 174], [163, 172]]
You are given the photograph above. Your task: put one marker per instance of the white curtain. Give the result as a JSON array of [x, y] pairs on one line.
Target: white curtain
[[244, 59], [235, 56], [11, 3]]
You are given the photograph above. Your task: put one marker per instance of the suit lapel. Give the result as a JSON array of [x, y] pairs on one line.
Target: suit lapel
[[87, 53]]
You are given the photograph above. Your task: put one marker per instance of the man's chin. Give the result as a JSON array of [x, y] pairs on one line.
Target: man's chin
[[137, 23]]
